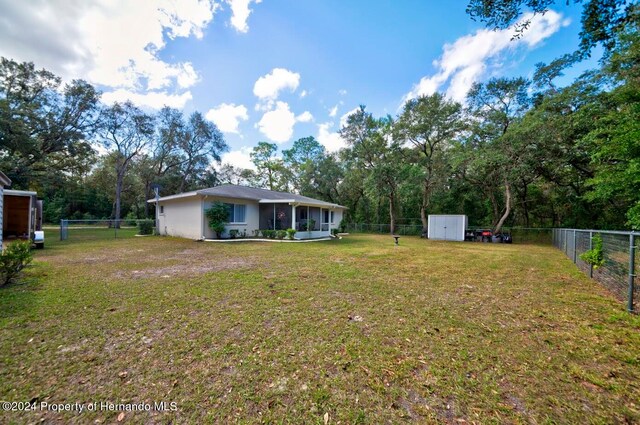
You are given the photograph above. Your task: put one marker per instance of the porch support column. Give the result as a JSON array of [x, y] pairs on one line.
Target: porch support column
[[308, 219], [321, 218], [274, 216], [293, 217]]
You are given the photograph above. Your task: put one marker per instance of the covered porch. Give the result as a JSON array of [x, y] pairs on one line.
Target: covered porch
[[309, 221]]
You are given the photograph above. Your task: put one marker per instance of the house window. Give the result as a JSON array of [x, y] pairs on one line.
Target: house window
[[326, 216], [333, 218], [161, 209], [303, 213], [237, 213]]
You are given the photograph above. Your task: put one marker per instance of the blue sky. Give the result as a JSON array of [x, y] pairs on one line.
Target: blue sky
[[277, 70]]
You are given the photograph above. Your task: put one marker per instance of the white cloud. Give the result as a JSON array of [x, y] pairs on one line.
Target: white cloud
[[113, 43], [240, 13], [342, 92], [343, 118], [333, 111], [304, 117], [227, 116], [151, 99], [470, 57], [239, 158], [303, 94], [277, 125], [268, 87], [330, 140]]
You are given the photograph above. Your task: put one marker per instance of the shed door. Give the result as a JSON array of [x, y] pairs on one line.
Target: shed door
[[451, 228]]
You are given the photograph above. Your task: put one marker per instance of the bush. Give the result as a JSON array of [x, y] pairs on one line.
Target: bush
[[291, 233], [280, 234], [145, 227], [233, 233], [131, 219], [311, 223], [218, 215], [13, 259], [335, 232], [256, 233], [594, 256]]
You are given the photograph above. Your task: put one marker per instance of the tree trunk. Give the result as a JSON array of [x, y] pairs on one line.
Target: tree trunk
[[426, 194], [392, 217], [119, 182], [525, 207], [507, 207], [494, 205]]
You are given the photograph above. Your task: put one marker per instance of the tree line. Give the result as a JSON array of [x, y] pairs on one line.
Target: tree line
[[517, 152]]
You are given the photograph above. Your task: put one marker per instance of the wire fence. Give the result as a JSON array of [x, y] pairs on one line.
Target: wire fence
[[519, 234], [82, 230], [621, 260]]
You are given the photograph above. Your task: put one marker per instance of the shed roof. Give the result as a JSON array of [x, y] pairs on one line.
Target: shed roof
[[253, 194]]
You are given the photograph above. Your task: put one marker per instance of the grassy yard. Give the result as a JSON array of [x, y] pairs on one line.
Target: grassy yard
[[350, 331]]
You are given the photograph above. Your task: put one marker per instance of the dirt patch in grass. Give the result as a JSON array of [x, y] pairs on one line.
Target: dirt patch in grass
[[189, 268]]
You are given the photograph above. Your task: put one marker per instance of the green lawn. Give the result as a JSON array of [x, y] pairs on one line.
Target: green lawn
[[349, 331]]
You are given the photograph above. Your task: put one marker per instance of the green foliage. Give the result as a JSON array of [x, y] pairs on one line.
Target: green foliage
[[217, 215], [594, 256], [280, 234], [15, 257], [335, 232], [271, 171], [633, 216], [145, 227], [311, 224], [291, 233], [131, 218], [233, 233], [601, 19]]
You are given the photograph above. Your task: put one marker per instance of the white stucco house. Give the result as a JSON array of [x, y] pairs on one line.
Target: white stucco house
[[4, 181], [250, 209]]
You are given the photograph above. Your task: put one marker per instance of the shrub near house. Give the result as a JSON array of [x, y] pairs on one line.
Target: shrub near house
[[217, 215]]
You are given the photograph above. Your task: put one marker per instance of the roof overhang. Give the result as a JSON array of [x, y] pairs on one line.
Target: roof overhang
[[8, 192], [178, 196]]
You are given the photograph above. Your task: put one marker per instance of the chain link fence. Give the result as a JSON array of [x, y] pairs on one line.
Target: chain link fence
[[84, 230], [518, 234], [621, 260]]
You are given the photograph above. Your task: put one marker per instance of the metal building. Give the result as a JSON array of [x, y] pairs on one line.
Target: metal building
[[447, 227]]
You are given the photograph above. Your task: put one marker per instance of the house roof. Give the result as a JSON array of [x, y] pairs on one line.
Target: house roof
[[253, 194], [4, 180]]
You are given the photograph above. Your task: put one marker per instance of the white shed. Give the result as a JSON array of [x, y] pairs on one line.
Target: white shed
[[448, 227]]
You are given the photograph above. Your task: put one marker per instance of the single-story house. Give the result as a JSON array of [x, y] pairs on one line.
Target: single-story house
[[4, 181], [250, 209]]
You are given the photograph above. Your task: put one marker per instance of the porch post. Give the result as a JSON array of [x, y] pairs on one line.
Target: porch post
[[293, 217], [274, 216], [321, 218], [308, 219]]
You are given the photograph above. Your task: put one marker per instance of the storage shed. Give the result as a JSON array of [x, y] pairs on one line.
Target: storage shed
[[449, 227]]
